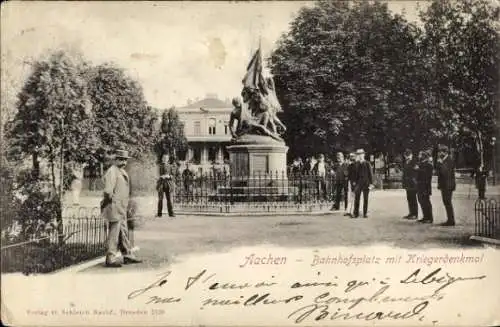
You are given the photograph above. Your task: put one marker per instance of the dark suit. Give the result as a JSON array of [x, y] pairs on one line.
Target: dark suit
[[363, 177], [410, 185], [424, 189], [447, 184], [165, 187], [341, 184]]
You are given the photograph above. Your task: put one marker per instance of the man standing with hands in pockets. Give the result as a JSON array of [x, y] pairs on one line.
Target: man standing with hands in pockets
[[114, 208]]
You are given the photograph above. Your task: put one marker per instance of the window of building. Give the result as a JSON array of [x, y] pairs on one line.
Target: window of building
[[212, 154], [182, 155], [226, 127], [211, 126], [197, 128], [196, 155]]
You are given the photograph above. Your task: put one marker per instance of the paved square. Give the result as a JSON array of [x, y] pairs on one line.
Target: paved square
[[162, 240]]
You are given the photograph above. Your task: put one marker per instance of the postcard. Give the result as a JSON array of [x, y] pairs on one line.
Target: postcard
[[271, 163]]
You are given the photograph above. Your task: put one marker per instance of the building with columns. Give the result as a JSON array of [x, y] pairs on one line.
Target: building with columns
[[206, 126]]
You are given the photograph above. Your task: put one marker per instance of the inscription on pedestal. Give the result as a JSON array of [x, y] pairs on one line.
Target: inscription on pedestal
[[239, 163], [260, 164]]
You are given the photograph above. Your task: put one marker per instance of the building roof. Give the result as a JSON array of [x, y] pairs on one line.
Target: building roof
[[207, 103]]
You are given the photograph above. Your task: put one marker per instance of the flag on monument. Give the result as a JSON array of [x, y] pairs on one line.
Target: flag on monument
[[253, 78]]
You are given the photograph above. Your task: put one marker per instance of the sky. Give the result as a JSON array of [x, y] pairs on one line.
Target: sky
[[176, 50]]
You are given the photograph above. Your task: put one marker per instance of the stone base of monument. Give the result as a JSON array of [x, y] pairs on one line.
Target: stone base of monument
[[258, 170], [256, 155], [254, 194]]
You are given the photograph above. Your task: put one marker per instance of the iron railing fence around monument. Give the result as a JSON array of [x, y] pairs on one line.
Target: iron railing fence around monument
[[43, 248], [264, 191], [487, 218]]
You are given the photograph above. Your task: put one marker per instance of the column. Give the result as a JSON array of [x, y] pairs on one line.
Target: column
[[204, 154], [220, 157]]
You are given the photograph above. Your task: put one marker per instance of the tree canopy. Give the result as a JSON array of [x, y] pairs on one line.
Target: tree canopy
[[122, 117], [54, 114], [356, 75], [171, 139], [462, 46]]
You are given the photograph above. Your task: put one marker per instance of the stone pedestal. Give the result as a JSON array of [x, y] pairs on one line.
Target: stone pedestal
[[254, 155], [258, 169]]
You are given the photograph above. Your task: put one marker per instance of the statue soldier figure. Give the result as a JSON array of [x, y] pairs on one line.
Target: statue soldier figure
[[257, 114]]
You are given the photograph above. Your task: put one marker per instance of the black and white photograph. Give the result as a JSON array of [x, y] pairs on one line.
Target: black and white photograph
[[265, 163]]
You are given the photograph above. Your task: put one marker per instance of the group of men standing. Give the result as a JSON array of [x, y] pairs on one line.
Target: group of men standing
[[355, 173], [354, 176], [417, 181], [351, 175]]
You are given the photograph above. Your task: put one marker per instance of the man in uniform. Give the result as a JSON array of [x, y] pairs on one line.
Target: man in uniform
[[165, 185], [410, 184], [114, 208]]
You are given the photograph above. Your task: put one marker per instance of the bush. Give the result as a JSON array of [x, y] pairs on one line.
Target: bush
[[8, 201], [44, 257], [143, 175], [29, 205]]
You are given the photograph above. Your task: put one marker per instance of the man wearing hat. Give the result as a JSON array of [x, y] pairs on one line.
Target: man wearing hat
[[351, 175], [363, 179], [320, 170], [446, 182], [410, 184], [424, 186], [341, 182], [165, 185], [114, 208]]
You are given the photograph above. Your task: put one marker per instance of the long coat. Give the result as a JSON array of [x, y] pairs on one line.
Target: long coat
[[117, 188], [363, 176], [446, 175], [342, 173], [410, 175], [424, 178]]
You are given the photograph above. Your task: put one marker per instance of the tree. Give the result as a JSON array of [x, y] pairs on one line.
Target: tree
[[463, 47], [54, 118], [347, 76], [122, 117], [171, 139]]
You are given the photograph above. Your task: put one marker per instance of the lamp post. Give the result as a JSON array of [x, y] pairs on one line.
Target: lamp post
[[493, 164]]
